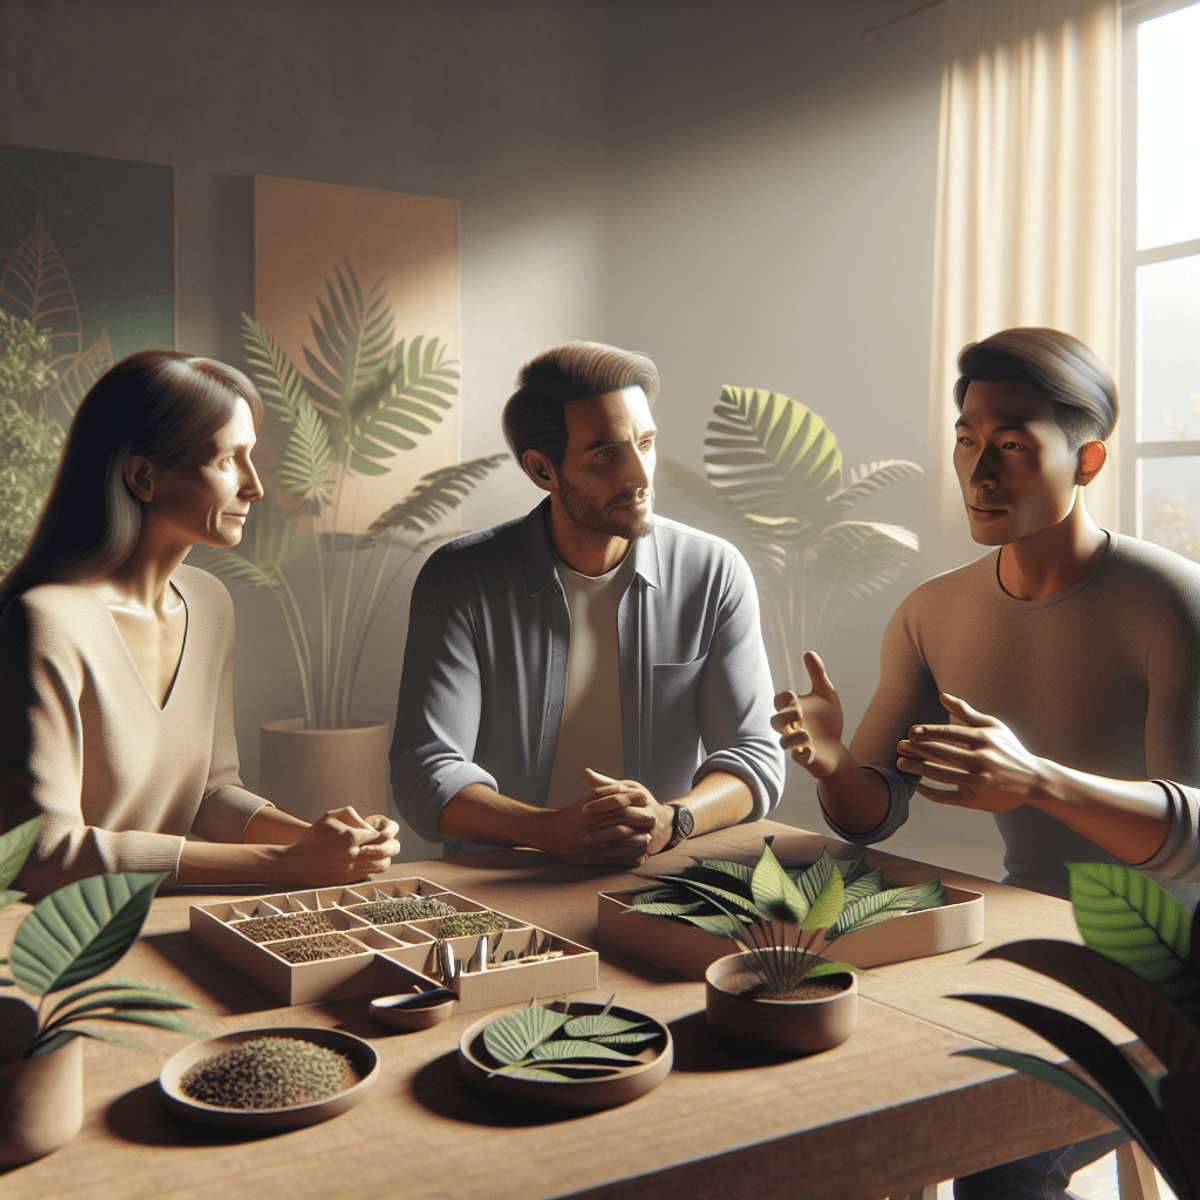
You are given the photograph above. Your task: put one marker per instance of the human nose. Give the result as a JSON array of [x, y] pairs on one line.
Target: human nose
[[641, 469], [252, 487], [982, 472]]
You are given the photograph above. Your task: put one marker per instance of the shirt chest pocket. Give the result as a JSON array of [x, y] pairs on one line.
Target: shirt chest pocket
[[676, 697]]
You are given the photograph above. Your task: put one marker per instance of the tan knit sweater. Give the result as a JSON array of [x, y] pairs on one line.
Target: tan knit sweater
[[119, 781], [1104, 677]]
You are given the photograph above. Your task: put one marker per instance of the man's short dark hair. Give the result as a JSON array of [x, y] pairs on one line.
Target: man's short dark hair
[[1055, 365], [533, 416]]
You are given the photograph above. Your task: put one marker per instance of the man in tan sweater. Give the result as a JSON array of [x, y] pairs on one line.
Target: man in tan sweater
[[1054, 683]]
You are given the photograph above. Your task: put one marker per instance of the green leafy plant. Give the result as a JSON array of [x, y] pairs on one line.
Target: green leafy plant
[[69, 937], [542, 1043], [775, 488], [1141, 962], [784, 916], [366, 398]]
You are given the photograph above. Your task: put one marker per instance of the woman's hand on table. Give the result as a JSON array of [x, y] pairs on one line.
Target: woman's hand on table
[[340, 847]]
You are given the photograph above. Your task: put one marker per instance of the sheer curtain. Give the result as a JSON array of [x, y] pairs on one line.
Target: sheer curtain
[[1027, 219]]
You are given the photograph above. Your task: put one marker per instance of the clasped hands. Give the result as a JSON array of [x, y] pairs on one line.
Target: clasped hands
[[617, 821], [976, 755], [342, 847]]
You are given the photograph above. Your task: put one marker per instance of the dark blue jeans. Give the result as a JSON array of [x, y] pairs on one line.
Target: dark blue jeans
[[1040, 1176]]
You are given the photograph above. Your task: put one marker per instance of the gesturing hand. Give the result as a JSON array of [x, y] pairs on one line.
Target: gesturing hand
[[810, 726], [978, 754], [341, 847]]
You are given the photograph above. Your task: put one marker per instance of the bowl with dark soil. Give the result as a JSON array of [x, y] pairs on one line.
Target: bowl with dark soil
[[815, 1013], [280, 1078]]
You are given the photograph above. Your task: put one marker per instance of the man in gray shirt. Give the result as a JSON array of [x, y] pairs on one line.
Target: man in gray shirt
[[590, 679]]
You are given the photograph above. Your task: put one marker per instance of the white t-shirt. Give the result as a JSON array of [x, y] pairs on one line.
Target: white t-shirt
[[590, 735]]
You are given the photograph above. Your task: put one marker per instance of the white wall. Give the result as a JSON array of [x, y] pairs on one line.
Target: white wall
[[744, 190]]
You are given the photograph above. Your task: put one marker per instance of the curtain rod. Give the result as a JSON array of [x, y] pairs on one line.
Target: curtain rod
[[873, 31]]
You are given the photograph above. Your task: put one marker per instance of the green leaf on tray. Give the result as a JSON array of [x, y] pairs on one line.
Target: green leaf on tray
[[512, 1037], [559, 1049]]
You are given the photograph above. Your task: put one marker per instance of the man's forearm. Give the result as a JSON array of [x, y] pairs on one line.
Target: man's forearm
[[854, 798], [1128, 818], [481, 814], [718, 800]]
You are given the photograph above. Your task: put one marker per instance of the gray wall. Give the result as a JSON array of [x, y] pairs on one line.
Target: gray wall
[[743, 190]]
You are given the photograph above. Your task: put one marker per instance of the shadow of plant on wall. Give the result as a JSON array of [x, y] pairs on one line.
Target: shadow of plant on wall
[[775, 489], [366, 398]]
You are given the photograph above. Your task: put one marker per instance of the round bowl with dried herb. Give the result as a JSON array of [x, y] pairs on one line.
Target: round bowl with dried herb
[[282, 1078]]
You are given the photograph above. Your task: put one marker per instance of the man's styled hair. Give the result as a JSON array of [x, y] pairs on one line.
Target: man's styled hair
[[533, 416], [1055, 365]]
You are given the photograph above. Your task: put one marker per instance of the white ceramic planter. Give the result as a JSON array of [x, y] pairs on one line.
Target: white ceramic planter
[[41, 1103], [796, 1026], [309, 771]]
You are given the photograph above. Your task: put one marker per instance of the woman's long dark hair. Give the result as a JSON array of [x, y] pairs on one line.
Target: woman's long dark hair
[[159, 404]]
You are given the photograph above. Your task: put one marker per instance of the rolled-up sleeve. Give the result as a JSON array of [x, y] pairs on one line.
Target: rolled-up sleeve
[[438, 714], [735, 698]]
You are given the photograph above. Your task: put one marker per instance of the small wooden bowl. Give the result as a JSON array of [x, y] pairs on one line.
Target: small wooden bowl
[[362, 1055]]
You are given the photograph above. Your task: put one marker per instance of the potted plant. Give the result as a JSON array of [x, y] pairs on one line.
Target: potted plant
[[775, 488], [365, 398], [780, 992], [68, 938], [1141, 962]]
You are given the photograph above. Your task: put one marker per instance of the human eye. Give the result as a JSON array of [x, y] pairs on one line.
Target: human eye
[[1015, 446]]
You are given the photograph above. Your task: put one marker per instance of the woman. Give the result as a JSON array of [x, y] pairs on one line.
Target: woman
[[116, 660]]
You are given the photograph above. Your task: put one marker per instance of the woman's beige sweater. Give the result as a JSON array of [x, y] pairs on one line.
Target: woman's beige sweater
[[119, 781]]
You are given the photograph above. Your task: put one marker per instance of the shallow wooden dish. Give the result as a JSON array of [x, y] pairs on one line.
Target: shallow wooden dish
[[362, 1056], [412, 1018], [476, 1065]]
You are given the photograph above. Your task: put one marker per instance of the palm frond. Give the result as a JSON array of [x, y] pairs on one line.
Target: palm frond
[[279, 383], [308, 466], [438, 493], [861, 557], [770, 455], [873, 477]]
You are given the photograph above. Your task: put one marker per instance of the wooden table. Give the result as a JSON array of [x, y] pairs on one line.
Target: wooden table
[[886, 1113]]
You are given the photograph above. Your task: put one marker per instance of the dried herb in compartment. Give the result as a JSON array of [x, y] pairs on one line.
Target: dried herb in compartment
[[314, 949], [285, 925], [404, 908]]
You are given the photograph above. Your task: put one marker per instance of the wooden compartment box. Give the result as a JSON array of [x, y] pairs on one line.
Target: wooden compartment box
[[689, 951], [255, 935]]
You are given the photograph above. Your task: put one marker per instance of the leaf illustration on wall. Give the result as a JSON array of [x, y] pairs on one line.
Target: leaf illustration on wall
[[37, 287], [74, 382]]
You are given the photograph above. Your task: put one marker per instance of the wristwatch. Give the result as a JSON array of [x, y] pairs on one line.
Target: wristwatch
[[685, 823]]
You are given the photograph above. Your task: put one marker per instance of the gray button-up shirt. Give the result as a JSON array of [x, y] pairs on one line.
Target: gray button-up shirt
[[485, 669]]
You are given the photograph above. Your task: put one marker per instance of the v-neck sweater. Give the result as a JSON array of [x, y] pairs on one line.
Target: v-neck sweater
[[119, 781]]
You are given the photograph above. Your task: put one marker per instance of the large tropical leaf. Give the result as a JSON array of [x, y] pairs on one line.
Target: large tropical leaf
[[862, 557], [813, 878], [15, 846], [36, 285], [1123, 1086], [436, 494], [1165, 1029], [724, 895], [1127, 917], [769, 454], [80, 930], [874, 477], [827, 907], [865, 911]]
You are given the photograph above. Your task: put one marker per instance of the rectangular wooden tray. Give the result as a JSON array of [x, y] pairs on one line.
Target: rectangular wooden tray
[[688, 951], [411, 944]]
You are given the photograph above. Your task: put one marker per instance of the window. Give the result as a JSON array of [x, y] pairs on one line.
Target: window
[[1160, 303]]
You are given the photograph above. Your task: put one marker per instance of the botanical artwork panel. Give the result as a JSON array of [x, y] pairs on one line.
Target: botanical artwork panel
[[87, 275], [336, 267]]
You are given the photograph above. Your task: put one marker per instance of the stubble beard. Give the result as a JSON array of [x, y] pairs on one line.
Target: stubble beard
[[589, 515]]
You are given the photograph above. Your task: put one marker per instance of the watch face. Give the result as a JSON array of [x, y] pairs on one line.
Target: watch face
[[685, 821]]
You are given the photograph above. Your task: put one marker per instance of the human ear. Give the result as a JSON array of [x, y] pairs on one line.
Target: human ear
[[139, 477], [539, 468], [1092, 456]]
